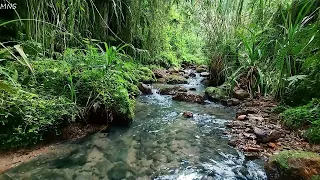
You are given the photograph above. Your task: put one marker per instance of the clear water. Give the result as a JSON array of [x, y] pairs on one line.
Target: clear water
[[159, 145]]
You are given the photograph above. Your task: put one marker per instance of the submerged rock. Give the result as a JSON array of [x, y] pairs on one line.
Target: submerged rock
[[192, 74], [145, 89], [293, 165], [192, 89], [119, 171], [187, 114], [194, 98]]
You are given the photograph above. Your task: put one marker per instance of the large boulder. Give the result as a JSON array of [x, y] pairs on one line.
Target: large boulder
[[186, 97], [266, 136], [293, 165], [215, 93], [145, 89], [176, 79], [172, 90]]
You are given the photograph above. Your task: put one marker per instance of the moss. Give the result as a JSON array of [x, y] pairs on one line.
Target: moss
[[283, 157], [176, 79], [307, 116], [215, 93], [317, 177]]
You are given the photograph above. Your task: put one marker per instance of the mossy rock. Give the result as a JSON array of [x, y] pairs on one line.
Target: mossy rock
[[293, 165], [175, 79], [215, 93]]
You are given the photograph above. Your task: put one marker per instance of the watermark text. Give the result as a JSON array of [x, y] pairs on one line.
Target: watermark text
[[8, 6]]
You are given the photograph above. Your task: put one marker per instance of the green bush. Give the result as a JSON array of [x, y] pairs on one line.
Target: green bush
[[67, 89], [25, 117], [307, 116]]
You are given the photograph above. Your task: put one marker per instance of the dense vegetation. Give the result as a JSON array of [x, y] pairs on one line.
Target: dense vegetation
[[66, 60]]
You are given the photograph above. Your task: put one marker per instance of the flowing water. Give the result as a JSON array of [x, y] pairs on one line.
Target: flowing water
[[159, 145]]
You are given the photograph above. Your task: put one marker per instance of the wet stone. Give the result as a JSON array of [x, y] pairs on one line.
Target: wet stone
[[119, 171], [123, 154]]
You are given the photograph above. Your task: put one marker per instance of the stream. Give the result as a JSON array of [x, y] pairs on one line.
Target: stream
[[160, 145]]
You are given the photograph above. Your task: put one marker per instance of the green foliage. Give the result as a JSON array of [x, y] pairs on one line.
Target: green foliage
[[26, 117], [307, 116], [67, 89]]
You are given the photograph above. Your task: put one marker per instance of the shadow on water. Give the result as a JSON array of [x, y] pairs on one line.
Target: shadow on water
[[160, 145]]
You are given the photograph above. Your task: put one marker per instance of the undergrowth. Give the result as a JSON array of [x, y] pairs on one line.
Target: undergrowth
[[65, 90], [307, 117]]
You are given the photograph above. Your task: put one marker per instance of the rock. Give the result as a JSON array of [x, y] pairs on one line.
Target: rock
[[119, 171], [187, 114], [192, 89], [172, 90], [293, 165], [252, 149], [264, 136], [255, 117], [241, 94], [242, 117], [173, 70], [233, 102], [246, 111], [233, 142], [204, 74], [159, 73], [205, 82], [194, 98], [161, 80], [272, 145], [215, 94], [201, 69], [175, 79], [236, 124], [192, 74], [145, 89]]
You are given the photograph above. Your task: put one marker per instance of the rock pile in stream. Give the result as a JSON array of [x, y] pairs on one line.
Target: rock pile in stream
[[176, 76]]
